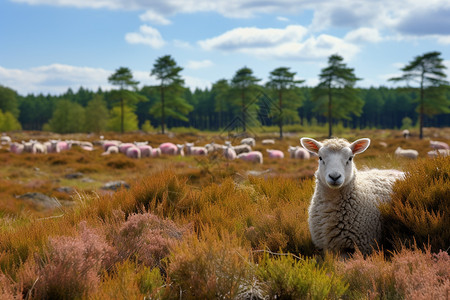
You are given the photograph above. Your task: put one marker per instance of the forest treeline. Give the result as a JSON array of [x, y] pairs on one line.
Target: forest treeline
[[91, 111], [237, 102]]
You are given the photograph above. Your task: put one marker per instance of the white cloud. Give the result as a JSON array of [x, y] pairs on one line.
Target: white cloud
[[54, 79], [147, 35], [363, 35], [444, 40], [252, 37], [283, 19], [195, 65], [151, 16], [288, 43]]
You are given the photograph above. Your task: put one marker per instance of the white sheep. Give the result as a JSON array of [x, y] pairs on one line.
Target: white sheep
[[438, 152], [344, 214], [298, 153], [406, 153], [439, 145], [268, 142], [195, 150], [252, 156], [406, 134], [249, 141], [228, 151]]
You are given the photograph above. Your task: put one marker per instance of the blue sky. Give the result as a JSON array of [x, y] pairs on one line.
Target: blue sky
[[47, 46]]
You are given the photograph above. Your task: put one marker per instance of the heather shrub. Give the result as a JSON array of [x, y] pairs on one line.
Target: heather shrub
[[422, 275], [72, 265], [287, 277], [145, 238], [410, 274], [369, 277], [8, 288], [208, 267], [420, 210]]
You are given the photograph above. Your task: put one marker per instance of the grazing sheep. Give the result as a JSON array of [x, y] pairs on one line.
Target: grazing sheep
[[406, 153], [275, 153], [192, 150], [439, 145], [249, 141], [242, 149], [16, 148], [438, 152], [252, 156], [344, 214], [268, 142], [180, 150], [5, 139], [168, 148], [133, 152], [146, 150], [156, 152], [228, 151], [111, 149], [123, 148], [107, 144], [213, 147], [406, 133], [298, 152]]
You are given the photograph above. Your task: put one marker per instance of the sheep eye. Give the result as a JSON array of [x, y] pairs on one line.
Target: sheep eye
[[320, 157], [350, 159]]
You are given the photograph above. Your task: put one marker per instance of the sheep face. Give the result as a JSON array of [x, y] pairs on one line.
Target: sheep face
[[336, 168]]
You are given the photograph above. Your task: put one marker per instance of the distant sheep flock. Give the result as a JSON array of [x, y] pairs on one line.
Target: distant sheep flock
[[243, 150]]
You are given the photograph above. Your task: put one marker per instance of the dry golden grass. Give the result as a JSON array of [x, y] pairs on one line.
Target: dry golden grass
[[204, 228]]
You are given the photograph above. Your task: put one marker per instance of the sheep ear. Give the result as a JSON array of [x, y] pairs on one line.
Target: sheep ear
[[360, 145], [310, 144]]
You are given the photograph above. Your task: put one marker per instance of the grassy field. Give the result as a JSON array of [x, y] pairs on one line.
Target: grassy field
[[206, 228]]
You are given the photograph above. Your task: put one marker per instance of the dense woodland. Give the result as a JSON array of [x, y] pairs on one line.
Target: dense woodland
[[383, 108]]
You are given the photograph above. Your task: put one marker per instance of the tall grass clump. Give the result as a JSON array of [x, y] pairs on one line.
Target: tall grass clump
[[282, 218], [420, 208], [289, 277], [211, 266]]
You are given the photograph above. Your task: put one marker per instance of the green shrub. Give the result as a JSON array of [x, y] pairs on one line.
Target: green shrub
[[420, 208], [287, 277]]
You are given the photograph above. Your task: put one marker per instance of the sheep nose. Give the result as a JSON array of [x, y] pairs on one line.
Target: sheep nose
[[334, 176]]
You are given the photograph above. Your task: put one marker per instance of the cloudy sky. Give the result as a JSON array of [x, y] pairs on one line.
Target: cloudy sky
[[47, 46]]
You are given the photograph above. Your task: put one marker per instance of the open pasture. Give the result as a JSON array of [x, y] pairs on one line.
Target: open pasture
[[207, 228]]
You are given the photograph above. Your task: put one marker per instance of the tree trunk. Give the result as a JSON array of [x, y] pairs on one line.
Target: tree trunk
[[243, 111], [330, 133], [163, 112], [121, 116], [421, 108], [280, 103]]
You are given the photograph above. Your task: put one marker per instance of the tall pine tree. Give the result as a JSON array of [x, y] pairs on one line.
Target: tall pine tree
[[427, 71], [335, 95]]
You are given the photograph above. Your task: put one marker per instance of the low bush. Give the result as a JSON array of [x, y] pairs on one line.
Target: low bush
[[420, 208]]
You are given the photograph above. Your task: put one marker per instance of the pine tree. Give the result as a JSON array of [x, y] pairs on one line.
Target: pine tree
[[427, 71], [244, 92], [124, 79], [171, 103], [284, 88], [335, 95]]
